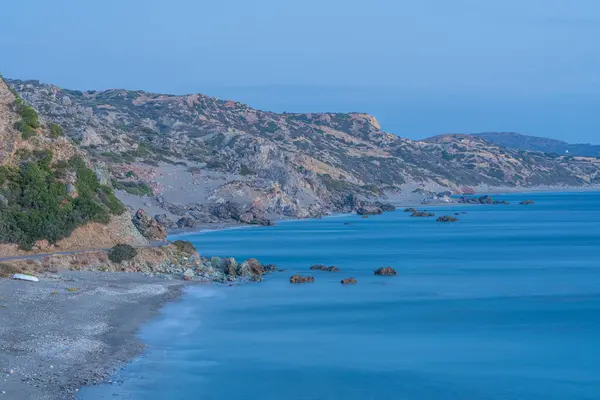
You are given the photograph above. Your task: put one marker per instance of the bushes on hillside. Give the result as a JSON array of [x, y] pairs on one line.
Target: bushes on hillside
[[29, 121], [121, 253], [36, 205]]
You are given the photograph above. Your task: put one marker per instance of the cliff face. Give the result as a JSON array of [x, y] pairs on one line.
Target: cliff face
[[189, 154], [49, 195]]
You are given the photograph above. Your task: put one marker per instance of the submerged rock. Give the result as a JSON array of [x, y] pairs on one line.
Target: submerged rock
[[301, 279], [447, 218], [386, 271], [410, 210], [527, 202], [349, 281]]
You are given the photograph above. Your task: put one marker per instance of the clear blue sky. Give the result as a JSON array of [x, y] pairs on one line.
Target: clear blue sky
[[422, 67]]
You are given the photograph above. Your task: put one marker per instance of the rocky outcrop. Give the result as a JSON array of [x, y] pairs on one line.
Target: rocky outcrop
[[320, 267], [422, 214], [481, 200], [447, 218], [386, 271], [349, 281], [301, 279], [149, 227]]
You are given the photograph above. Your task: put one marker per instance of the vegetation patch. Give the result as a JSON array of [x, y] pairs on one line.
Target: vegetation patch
[[37, 205], [29, 121], [136, 188], [184, 246], [121, 253]]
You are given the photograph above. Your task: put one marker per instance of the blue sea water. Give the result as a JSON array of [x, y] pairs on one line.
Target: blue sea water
[[504, 304]]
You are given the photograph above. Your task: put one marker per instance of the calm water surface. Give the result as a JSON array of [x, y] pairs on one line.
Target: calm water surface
[[503, 305]]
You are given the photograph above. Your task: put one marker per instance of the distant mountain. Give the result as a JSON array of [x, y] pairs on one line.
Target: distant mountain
[[517, 141]]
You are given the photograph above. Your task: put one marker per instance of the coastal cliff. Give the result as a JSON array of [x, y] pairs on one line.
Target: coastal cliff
[[194, 160]]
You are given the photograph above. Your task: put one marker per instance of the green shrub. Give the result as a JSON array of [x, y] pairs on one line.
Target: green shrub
[[245, 171], [184, 246], [121, 253], [56, 131], [135, 188], [38, 206]]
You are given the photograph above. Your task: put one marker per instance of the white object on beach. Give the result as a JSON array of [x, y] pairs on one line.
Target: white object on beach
[[23, 277]]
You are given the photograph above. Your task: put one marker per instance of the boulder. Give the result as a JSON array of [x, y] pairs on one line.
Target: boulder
[[447, 218], [301, 279], [188, 275], [251, 267], [386, 271], [349, 281], [148, 226]]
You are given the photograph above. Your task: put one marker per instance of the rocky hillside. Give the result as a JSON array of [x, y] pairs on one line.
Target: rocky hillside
[[49, 195], [517, 141], [197, 159]]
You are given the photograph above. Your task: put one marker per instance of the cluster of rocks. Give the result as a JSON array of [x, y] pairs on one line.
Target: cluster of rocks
[[422, 214], [228, 269], [447, 218], [481, 200], [374, 208], [320, 267], [192, 215], [301, 279]]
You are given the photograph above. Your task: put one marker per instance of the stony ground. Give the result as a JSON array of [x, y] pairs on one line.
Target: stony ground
[[72, 329]]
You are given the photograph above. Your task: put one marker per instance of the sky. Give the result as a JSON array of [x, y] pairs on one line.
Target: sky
[[421, 67]]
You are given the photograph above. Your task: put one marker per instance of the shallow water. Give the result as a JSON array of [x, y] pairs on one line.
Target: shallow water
[[503, 305]]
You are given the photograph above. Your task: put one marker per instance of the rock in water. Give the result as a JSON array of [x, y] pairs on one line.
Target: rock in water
[[349, 281], [301, 279], [251, 267], [527, 202], [386, 271], [447, 218], [410, 210], [23, 277], [422, 214], [321, 267], [148, 226], [369, 210]]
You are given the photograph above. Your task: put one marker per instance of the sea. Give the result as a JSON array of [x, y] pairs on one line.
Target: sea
[[503, 304]]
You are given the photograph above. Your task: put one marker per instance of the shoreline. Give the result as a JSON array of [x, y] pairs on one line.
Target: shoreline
[[50, 348], [86, 345], [177, 233]]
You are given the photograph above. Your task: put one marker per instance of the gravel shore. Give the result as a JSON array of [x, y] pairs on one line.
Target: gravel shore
[[72, 329]]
